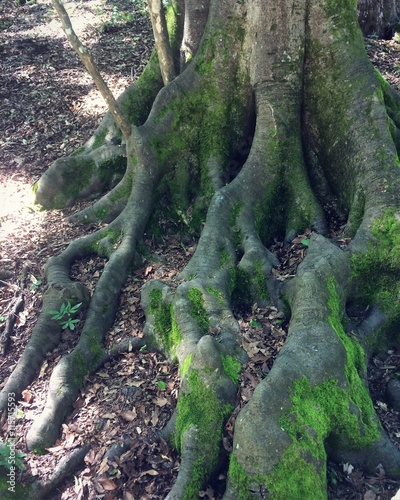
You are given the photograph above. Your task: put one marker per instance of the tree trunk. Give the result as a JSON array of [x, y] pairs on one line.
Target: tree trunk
[[379, 17], [294, 76]]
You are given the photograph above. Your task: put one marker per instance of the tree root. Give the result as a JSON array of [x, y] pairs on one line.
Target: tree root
[[269, 433], [5, 335], [67, 466]]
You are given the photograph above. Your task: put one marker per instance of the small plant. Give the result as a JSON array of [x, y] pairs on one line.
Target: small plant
[[35, 283], [65, 315], [9, 457]]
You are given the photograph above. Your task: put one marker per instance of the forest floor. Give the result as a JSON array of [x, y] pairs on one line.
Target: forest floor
[[48, 108]]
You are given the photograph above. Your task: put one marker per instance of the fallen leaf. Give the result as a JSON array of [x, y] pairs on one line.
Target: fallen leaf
[[109, 415], [27, 396], [150, 472], [107, 484], [128, 415], [128, 496]]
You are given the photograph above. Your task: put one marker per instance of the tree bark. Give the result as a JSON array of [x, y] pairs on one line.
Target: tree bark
[[161, 38], [294, 76], [379, 17]]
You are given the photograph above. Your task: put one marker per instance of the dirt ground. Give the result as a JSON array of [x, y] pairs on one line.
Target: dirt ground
[[48, 107]]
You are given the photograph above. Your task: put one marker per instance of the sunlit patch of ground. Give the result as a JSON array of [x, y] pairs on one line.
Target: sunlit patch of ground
[[16, 207]]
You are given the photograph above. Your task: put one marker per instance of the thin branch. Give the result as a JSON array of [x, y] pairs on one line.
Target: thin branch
[[92, 69], [160, 31]]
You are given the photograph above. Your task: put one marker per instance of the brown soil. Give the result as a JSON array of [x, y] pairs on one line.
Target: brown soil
[[48, 107]]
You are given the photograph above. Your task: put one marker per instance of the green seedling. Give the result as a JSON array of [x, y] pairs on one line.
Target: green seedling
[[64, 315], [35, 283]]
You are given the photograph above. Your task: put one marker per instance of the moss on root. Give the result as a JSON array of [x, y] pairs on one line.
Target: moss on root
[[201, 409], [377, 272], [165, 325], [232, 367], [197, 309], [316, 414]]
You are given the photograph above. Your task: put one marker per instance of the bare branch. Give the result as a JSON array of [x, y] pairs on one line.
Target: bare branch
[[92, 69], [160, 31]]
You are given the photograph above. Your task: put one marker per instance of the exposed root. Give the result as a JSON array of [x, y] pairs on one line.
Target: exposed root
[[45, 336], [109, 206], [17, 306], [67, 466]]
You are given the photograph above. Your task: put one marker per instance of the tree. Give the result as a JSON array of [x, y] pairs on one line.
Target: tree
[[379, 18], [293, 75]]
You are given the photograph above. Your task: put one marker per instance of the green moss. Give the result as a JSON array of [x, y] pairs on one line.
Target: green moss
[[165, 324], [347, 22], [377, 272], [248, 287], [225, 257], [201, 409], [333, 97], [301, 472], [195, 120], [78, 174], [240, 287], [184, 367], [81, 368], [113, 168], [96, 349], [234, 215], [232, 367], [137, 103], [317, 413], [260, 282], [99, 139], [217, 294], [110, 234], [357, 392], [197, 309]]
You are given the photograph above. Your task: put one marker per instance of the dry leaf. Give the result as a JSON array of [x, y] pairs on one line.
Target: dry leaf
[[27, 396], [107, 484], [150, 472], [128, 415], [128, 496], [109, 415]]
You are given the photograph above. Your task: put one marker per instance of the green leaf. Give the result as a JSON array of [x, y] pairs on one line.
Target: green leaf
[[255, 323], [305, 242], [162, 385], [75, 308], [143, 348]]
